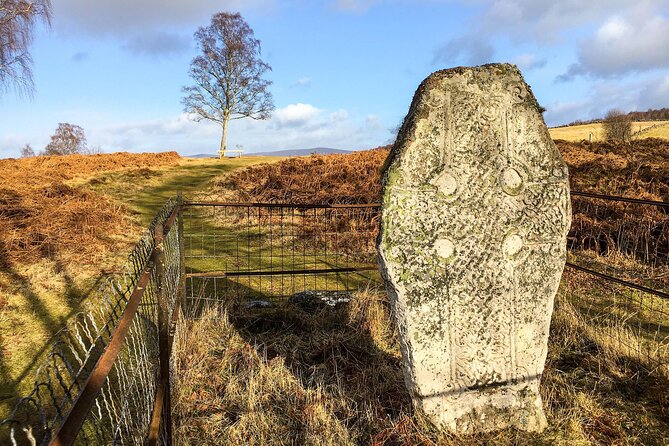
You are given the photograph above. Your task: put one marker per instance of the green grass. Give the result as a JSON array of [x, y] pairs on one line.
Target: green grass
[[37, 300], [144, 191], [233, 240]]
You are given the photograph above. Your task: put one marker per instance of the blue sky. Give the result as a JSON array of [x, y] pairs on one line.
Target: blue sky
[[344, 71]]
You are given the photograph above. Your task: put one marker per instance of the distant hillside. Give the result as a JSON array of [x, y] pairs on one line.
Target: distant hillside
[[640, 129], [292, 152], [300, 152], [202, 155], [660, 114]]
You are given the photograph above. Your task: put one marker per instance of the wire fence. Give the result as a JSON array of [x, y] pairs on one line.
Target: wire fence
[[243, 253], [617, 275], [106, 377], [96, 385]]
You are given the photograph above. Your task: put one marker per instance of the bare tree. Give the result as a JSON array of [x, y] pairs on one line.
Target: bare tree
[[228, 74], [27, 151], [17, 20], [68, 139], [97, 150], [617, 126]]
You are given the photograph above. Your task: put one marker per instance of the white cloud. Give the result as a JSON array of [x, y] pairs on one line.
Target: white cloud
[[630, 35], [309, 127], [543, 20], [295, 115], [373, 122], [655, 94], [338, 116], [471, 50], [633, 95], [623, 45]]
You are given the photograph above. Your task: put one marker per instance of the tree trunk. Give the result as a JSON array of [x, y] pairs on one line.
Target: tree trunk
[[223, 137]]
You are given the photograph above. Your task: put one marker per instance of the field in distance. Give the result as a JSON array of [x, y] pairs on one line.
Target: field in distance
[[640, 129]]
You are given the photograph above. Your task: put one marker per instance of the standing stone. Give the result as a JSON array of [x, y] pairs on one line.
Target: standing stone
[[476, 211]]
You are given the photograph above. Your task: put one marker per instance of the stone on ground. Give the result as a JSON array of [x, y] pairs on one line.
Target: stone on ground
[[476, 211]]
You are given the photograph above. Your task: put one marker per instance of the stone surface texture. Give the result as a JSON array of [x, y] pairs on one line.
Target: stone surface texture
[[472, 245]]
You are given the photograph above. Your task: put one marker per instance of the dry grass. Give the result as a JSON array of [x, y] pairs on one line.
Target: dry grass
[[640, 129], [638, 170], [288, 377], [326, 179], [43, 217]]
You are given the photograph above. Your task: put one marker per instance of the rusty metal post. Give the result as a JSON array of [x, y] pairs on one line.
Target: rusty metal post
[[182, 251], [163, 409]]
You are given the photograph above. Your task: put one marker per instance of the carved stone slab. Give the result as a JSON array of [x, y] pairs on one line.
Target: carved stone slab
[[476, 211]]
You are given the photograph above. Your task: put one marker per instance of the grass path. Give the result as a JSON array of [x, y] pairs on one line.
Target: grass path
[[146, 190]]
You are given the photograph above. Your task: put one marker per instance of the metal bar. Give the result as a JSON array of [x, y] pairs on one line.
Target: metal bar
[[286, 273], [154, 427], [619, 281], [174, 320], [378, 205], [68, 431], [163, 334], [618, 198], [282, 205]]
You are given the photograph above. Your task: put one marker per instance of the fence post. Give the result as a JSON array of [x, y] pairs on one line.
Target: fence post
[[182, 251], [162, 413]]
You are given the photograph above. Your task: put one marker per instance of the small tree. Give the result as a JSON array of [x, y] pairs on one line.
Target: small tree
[[17, 20], [228, 74], [68, 139], [27, 151], [617, 126]]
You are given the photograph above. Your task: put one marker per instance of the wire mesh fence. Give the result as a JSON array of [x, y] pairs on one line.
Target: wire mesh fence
[[121, 410], [617, 279], [245, 252]]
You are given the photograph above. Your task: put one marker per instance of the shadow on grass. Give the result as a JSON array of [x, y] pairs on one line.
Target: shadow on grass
[[16, 381]]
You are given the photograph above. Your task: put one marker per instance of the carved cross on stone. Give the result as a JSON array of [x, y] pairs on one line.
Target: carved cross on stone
[[476, 212]]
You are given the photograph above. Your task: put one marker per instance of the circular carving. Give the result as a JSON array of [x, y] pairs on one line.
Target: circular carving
[[518, 93], [444, 248], [512, 182], [446, 183], [512, 245], [558, 172]]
